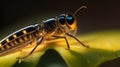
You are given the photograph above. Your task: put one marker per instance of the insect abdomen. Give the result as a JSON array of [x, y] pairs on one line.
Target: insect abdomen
[[18, 38]]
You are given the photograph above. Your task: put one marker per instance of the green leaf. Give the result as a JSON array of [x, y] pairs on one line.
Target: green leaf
[[11, 59], [104, 46]]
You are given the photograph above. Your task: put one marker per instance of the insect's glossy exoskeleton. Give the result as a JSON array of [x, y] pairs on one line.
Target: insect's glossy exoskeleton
[[19, 38], [53, 28]]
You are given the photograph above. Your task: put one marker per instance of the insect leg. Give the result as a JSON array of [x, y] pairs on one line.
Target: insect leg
[[75, 31], [68, 47], [38, 42], [77, 40]]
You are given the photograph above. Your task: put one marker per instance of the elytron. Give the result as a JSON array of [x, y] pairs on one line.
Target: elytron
[[53, 28]]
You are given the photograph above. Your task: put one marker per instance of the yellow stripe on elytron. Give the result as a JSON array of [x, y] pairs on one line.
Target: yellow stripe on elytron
[[24, 31], [14, 36]]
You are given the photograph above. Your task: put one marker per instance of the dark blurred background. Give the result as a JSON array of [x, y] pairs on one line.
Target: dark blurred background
[[100, 15]]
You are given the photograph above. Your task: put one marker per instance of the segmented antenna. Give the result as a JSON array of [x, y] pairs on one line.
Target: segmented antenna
[[78, 10], [75, 31]]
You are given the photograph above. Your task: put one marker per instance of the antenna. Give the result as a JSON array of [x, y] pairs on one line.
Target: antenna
[[75, 31], [79, 10]]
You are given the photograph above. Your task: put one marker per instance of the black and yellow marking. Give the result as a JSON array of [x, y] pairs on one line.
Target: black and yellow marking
[[24, 31], [19, 34], [25, 38], [11, 44], [7, 46], [14, 36], [21, 40], [4, 42], [7, 40], [1, 47], [14, 41], [17, 38]]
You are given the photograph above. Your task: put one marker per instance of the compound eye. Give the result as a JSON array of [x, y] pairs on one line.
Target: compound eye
[[62, 19], [70, 19]]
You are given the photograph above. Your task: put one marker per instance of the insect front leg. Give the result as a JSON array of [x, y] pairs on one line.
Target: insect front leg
[[40, 39], [77, 40], [68, 46]]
